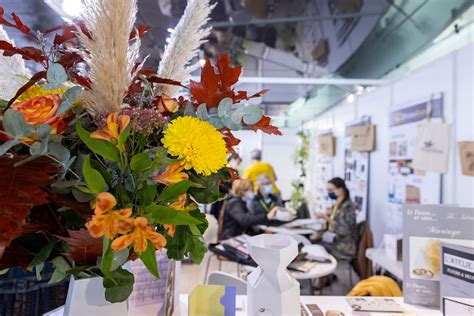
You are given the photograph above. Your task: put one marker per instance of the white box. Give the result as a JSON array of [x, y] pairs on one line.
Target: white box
[[458, 306], [393, 246]]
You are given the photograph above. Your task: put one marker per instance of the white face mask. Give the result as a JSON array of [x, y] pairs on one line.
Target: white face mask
[[233, 164]]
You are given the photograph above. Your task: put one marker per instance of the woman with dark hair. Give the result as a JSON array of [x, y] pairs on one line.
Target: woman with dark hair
[[341, 237]]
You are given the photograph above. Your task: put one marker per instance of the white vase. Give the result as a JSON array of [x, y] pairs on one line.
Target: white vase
[[87, 297], [271, 290]]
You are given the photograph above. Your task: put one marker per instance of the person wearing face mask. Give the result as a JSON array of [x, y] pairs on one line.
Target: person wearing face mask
[[341, 237], [264, 200], [235, 217]]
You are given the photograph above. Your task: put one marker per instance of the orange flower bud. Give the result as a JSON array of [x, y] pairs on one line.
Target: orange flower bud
[[166, 104]]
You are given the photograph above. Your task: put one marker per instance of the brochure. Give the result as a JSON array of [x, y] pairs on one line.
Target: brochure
[[425, 228]]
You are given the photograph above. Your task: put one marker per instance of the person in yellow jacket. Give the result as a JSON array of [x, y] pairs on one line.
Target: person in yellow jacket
[[258, 168]]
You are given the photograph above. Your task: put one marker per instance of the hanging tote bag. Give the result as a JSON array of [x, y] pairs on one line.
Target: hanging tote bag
[[432, 145]]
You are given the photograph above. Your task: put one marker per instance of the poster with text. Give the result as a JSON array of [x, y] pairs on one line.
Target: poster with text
[[425, 229], [407, 185], [323, 172], [356, 171]]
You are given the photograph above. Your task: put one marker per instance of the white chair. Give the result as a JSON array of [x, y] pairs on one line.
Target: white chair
[[222, 278]]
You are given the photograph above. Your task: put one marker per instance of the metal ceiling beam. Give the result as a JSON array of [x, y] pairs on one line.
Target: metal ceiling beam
[[294, 19], [309, 81]]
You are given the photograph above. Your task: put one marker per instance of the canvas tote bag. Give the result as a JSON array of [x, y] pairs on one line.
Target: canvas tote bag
[[432, 145]]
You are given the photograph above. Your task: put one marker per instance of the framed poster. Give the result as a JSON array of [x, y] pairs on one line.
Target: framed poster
[[425, 229], [356, 171], [406, 185]]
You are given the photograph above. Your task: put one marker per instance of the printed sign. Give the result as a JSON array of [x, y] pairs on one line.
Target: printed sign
[[457, 272], [466, 152], [363, 138], [425, 229]]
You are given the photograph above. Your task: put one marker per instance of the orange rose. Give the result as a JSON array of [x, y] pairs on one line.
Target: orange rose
[[42, 110], [165, 104]]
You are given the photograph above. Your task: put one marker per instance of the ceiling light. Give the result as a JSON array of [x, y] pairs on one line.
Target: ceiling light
[[359, 90], [168, 40], [72, 7], [202, 62], [170, 30], [350, 98]]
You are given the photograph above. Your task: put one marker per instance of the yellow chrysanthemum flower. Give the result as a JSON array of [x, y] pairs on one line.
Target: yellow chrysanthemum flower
[[38, 91], [197, 142]]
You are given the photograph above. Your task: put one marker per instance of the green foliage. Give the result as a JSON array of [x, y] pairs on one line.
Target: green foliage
[[167, 215], [101, 147], [118, 286], [149, 260], [301, 157], [184, 243], [172, 192], [94, 179]]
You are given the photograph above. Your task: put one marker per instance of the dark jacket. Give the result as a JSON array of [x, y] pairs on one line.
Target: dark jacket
[[237, 218], [260, 205], [345, 228]]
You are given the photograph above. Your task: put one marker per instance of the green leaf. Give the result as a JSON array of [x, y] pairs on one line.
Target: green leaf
[[252, 114], [94, 179], [119, 259], [7, 145], [107, 258], [57, 277], [149, 260], [140, 161], [197, 214], [189, 109], [183, 244], [60, 272], [124, 135], [119, 287], [237, 115], [201, 112], [43, 255], [167, 215], [38, 268], [81, 196], [68, 99], [225, 107], [43, 131], [172, 192], [3, 105], [147, 194], [15, 125], [227, 121], [98, 146], [56, 74], [216, 122]]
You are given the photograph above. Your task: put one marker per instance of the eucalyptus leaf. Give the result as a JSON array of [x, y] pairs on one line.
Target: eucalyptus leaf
[[119, 258], [82, 196], [237, 115], [3, 105], [225, 107], [43, 131], [189, 109], [15, 125], [59, 152], [7, 145], [56, 74], [252, 114], [230, 124], [52, 86], [201, 112], [68, 99]]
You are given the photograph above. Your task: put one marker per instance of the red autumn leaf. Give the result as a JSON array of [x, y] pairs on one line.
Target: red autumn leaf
[[69, 59], [230, 140], [17, 23], [83, 81], [83, 248], [27, 53], [264, 126], [234, 173], [140, 30], [21, 188], [215, 86]]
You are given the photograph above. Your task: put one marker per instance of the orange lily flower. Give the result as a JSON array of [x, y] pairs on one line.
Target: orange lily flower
[[172, 174], [180, 205], [107, 221], [113, 129], [171, 229], [166, 104], [139, 237]]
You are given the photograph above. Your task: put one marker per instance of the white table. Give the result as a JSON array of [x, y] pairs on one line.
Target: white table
[[325, 303], [380, 258], [319, 270], [296, 227]]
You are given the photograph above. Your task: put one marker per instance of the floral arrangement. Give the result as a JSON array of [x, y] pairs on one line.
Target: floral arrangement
[[98, 166]]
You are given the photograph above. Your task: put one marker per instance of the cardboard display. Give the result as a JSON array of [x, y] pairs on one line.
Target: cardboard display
[[327, 145], [363, 138], [466, 152], [432, 147]]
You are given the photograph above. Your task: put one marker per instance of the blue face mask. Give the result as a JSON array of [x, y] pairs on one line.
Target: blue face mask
[[249, 196], [268, 188], [332, 196]]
